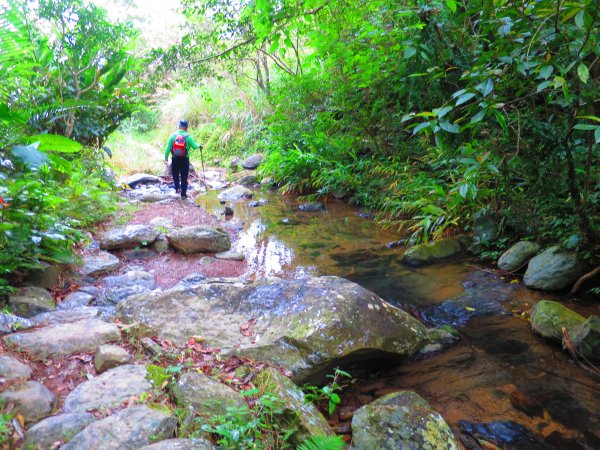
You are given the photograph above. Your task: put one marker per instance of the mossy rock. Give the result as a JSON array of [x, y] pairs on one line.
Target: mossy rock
[[548, 317], [432, 252], [518, 255], [553, 269], [586, 338], [402, 420], [298, 414]]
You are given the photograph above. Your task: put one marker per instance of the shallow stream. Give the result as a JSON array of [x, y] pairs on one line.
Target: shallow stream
[[498, 372]]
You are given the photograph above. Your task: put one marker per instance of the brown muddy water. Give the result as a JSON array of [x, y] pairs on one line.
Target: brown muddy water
[[499, 373]]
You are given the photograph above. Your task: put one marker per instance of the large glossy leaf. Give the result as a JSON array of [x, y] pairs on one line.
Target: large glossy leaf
[[30, 156], [56, 143]]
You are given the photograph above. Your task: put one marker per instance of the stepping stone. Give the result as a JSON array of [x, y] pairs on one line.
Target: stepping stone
[[75, 300], [129, 429], [30, 301], [181, 444], [109, 390], [64, 339], [230, 256], [10, 322], [11, 369], [99, 264], [54, 429], [32, 399], [129, 236], [110, 356], [140, 178], [235, 193], [66, 316], [196, 239]]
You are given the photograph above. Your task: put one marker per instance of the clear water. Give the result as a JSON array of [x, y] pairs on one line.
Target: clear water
[[499, 371]]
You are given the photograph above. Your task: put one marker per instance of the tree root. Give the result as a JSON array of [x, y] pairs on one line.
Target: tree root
[[583, 279]]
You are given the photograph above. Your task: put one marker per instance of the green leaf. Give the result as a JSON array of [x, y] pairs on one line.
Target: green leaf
[[500, 119], [583, 72], [420, 127], [464, 98], [585, 127], [479, 116], [449, 127], [546, 71], [558, 82], [57, 143], [441, 112], [451, 4], [543, 85], [30, 156], [580, 19], [597, 135], [409, 52]]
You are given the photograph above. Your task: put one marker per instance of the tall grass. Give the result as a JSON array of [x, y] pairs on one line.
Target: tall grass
[[221, 115]]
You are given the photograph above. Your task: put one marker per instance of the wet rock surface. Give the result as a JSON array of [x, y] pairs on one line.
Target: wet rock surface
[[181, 444], [304, 325], [252, 161], [235, 193], [503, 434], [400, 420], [110, 356], [10, 322], [75, 300], [553, 269], [586, 338], [548, 317], [140, 178], [64, 339], [311, 207], [108, 390], [128, 429], [61, 428], [432, 252]]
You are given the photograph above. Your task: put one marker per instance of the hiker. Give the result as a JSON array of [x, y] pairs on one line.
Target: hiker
[[179, 146]]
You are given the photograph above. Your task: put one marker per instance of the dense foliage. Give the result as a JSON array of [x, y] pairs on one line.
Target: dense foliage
[[66, 85], [431, 112]]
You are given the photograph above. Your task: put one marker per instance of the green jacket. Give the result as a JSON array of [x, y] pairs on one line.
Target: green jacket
[[189, 143]]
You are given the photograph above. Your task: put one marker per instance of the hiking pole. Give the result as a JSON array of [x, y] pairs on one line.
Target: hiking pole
[[203, 173]]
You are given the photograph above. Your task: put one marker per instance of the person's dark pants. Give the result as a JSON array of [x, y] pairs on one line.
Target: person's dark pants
[[180, 168]]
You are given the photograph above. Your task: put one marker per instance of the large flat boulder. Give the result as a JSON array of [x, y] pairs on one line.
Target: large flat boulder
[[553, 269], [109, 390], [128, 236], [30, 301], [140, 178], [402, 420], [518, 255], [129, 429], [432, 252], [65, 338], [197, 239], [306, 325]]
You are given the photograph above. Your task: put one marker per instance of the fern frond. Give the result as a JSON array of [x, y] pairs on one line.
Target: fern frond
[[323, 443]]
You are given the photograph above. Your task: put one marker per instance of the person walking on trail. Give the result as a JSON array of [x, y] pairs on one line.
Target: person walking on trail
[[179, 146]]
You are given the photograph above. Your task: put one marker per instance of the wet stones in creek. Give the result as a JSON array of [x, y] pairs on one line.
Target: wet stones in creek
[[75, 300], [10, 322], [312, 207], [109, 390], [99, 264], [64, 339], [518, 255], [400, 420], [235, 193], [61, 428], [121, 287], [129, 236], [32, 399], [432, 252], [553, 270], [207, 397], [110, 356], [503, 434], [199, 239], [548, 317], [30, 301], [129, 429], [309, 421], [304, 325], [11, 369]]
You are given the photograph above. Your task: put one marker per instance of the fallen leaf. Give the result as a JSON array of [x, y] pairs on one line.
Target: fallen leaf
[[468, 308]]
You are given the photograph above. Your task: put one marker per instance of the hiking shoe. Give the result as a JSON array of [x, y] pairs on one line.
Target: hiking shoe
[[184, 196], [177, 191]]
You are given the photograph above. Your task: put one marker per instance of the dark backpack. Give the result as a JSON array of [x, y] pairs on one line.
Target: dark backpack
[[178, 148]]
